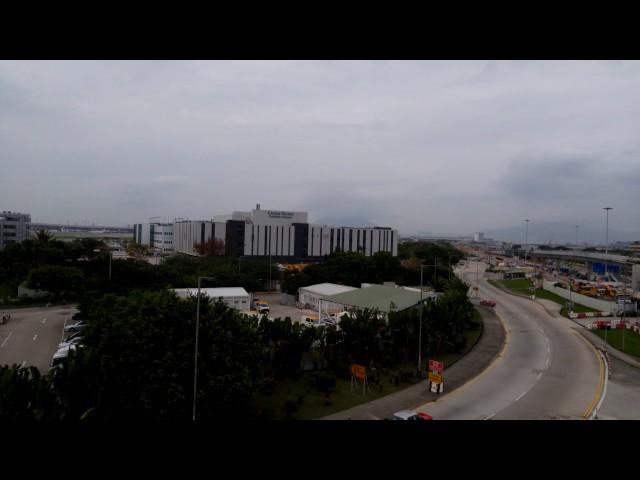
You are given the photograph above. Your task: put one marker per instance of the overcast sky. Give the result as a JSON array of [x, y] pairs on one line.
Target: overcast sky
[[451, 147]]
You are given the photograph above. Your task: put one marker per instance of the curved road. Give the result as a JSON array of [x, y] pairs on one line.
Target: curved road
[[545, 371]]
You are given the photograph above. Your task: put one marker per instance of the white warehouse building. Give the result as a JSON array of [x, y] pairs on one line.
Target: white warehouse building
[[234, 297], [309, 297]]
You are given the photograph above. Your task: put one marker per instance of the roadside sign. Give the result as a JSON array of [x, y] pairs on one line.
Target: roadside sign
[[435, 378], [436, 366], [358, 371]]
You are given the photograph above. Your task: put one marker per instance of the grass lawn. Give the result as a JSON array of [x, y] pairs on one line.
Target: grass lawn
[[312, 403], [614, 338], [522, 286]]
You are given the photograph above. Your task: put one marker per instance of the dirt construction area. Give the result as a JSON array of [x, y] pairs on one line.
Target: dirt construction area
[[277, 310]]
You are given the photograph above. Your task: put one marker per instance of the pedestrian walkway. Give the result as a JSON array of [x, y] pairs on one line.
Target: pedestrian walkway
[[465, 369]]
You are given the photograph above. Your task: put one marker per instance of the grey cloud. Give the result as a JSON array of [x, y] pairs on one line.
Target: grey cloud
[[439, 146]]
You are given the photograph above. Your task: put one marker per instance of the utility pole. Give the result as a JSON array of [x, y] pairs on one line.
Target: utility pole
[[526, 240], [422, 265], [606, 243]]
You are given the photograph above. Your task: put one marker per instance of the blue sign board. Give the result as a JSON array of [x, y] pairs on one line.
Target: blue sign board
[[599, 268]]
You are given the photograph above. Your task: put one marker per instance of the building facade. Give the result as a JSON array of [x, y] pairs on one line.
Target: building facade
[[188, 233], [14, 227], [278, 233], [158, 236]]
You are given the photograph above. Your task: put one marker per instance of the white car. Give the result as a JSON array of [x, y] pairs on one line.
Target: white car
[[74, 327], [410, 415], [69, 342]]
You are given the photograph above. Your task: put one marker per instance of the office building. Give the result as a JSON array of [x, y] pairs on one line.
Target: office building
[[14, 227]]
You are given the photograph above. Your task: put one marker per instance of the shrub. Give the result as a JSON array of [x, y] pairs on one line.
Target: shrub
[[269, 386], [325, 381], [290, 406]]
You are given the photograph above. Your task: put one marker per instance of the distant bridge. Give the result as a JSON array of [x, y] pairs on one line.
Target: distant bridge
[[34, 227], [589, 258]]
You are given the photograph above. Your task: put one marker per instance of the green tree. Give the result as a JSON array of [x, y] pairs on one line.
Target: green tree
[[60, 281]]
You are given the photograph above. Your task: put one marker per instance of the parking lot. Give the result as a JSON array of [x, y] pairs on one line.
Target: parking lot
[[277, 310], [32, 335]]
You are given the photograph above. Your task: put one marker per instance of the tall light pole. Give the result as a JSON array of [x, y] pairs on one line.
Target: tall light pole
[[526, 240], [422, 265], [450, 266], [420, 324], [606, 243], [195, 360], [577, 226]]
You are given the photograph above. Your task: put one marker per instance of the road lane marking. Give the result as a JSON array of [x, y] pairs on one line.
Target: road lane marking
[[546, 362], [44, 320], [601, 390], [478, 376], [490, 416], [35, 337], [6, 339], [521, 395], [539, 377]]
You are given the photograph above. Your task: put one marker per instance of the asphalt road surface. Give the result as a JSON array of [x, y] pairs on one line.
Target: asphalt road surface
[[546, 370], [32, 335]]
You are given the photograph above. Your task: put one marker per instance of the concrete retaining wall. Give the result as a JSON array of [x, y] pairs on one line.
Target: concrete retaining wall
[[600, 305]]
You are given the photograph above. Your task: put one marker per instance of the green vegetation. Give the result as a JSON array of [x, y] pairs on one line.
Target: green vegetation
[[614, 338], [351, 268], [137, 356], [313, 402], [523, 286], [518, 285]]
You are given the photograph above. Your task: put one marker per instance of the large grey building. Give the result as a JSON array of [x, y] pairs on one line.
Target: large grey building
[[14, 227], [154, 234], [277, 233]]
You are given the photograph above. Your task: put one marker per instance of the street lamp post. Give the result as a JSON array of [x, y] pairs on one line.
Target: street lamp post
[[422, 265], [526, 240], [450, 266], [606, 243], [195, 360], [420, 324]]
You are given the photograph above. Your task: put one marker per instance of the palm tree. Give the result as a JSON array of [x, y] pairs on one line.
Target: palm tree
[[43, 236]]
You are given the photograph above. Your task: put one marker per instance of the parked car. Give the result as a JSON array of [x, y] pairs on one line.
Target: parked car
[[75, 327], [488, 303], [410, 415], [70, 341], [61, 354]]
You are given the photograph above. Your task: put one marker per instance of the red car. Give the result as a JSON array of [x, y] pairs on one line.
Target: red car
[[488, 303]]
